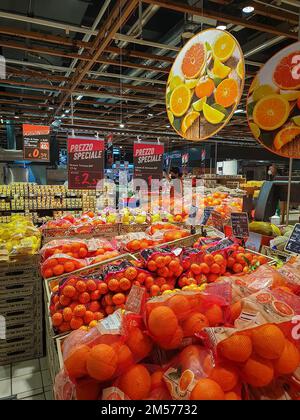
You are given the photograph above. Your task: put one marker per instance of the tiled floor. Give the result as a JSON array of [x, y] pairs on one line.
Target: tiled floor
[[28, 380]]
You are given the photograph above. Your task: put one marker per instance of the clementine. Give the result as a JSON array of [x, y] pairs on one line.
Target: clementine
[[268, 341], [180, 305], [102, 362], [206, 389], [258, 372], [289, 359], [237, 348], [162, 322], [194, 324], [139, 343], [214, 314], [135, 382], [226, 376], [75, 363]]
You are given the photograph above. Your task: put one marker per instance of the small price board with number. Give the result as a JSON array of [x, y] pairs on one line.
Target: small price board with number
[[85, 162], [293, 244], [240, 225], [206, 215], [218, 221], [36, 142]]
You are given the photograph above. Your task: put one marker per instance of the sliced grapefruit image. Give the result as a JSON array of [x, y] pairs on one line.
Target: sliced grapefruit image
[[286, 74], [180, 100], [194, 61], [264, 298], [271, 112], [286, 136], [282, 308], [227, 93]]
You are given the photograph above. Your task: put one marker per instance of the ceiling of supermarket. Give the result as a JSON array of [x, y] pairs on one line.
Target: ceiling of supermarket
[[112, 57]]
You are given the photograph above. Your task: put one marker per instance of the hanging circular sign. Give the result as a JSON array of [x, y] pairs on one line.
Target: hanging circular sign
[[273, 105], [205, 84]]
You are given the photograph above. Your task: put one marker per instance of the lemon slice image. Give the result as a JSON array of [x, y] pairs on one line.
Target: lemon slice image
[[213, 116], [220, 70], [198, 105]]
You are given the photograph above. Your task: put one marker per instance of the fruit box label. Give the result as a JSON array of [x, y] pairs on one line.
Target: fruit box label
[[135, 299], [180, 384]]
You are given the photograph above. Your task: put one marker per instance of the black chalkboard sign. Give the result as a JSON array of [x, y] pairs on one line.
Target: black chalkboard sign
[[206, 215], [223, 244], [218, 221], [293, 244], [240, 225]]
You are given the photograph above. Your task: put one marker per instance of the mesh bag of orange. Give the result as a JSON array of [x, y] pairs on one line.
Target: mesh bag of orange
[[60, 264], [264, 345], [291, 272], [74, 248], [105, 352], [172, 318], [193, 375], [135, 242]]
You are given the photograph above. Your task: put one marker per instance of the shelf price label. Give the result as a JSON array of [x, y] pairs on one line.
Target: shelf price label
[[85, 162], [293, 244], [240, 225], [36, 142], [217, 221]]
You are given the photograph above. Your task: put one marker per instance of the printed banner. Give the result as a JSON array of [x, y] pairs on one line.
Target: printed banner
[[36, 142], [148, 160], [85, 162]]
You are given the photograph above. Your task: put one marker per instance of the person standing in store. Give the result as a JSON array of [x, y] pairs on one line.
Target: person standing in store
[[272, 172]]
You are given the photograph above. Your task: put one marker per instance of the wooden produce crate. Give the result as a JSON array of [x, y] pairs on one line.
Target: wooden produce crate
[[134, 227]]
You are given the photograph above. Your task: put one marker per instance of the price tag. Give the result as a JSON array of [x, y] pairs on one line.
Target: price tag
[[217, 221], [293, 244], [206, 215], [223, 244], [254, 241], [240, 225]]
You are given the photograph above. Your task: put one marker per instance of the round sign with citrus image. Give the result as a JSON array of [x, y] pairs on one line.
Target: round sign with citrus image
[[205, 84], [273, 105]]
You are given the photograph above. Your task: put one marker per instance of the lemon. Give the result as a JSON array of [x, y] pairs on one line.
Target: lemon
[[174, 82], [255, 129], [254, 85], [220, 70], [192, 83], [290, 96], [198, 105], [262, 91], [189, 120], [240, 69], [171, 117], [213, 116], [224, 47], [296, 120]]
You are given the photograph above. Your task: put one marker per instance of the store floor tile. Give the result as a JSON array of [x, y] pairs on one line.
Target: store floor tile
[[44, 363], [25, 368], [30, 393], [36, 397], [46, 378], [5, 388], [49, 395], [26, 383], [5, 372]]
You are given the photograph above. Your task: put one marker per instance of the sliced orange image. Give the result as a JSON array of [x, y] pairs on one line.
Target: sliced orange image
[[205, 88], [271, 112], [180, 100], [227, 93], [224, 47], [194, 61], [286, 75], [286, 136], [185, 380], [189, 120]]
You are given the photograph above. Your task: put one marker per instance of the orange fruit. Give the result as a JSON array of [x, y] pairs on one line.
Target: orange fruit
[[289, 359], [205, 88], [212, 278], [160, 261], [194, 61], [124, 284], [209, 260], [118, 299], [226, 376], [258, 372], [94, 306], [180, 305], [67, 314], [96, 295], [149, 282], [194, 324], [52, 262], [139, 343], [237, 268], [64, 300], [88, 317], [64, 327], [286, 136], [271, 112], [207, 390], [237, 348], [102, 362], [196, 269], [134, 245], [135, 382], [227, 93], [215, 269], [157, 379], [48, 273], [232, 396], [125, 356], [219, 259], [79, 310], [154, 290], [167, 259], [82, 253], [173, 342], [87, 390], [141, 277], [91, 285], [66, 248], [283, 74], [98, 315], [131, 273], [69, 266], [162, 322], [235, 311], [174, 265], [180, 100], [58, 269], [108, 299], [214, 314], [152, 265], [76, 322], [268, 341], [84, 297], [69, 291], [109, 310], [102, 287], [93, 324], [75, 363], [57, 319], [113, 284], [204, 267], [81, 286]]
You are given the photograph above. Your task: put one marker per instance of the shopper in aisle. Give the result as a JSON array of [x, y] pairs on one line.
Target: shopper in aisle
[[272, 172]]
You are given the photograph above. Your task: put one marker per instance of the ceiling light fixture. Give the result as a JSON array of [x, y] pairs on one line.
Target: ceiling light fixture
[[16, 116], [248, 9], [150, 115], [168, 126], [79, 97], [67, 111], [122, 125], [222, 27]]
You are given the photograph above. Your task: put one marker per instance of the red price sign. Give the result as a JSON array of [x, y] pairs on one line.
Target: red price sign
[[85, 163], [36, 142]]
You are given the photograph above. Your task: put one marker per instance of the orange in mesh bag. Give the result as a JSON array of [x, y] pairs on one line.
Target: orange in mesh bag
[[265, 344], [106, 351]]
